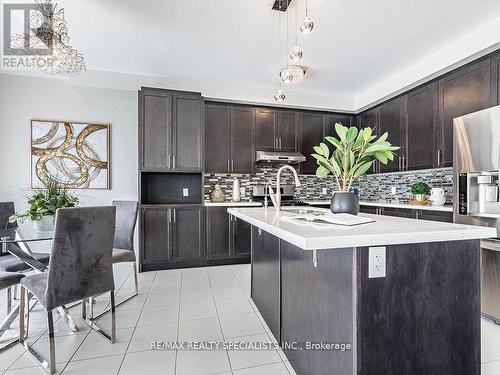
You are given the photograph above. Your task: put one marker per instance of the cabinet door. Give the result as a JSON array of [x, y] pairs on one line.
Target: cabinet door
[[242, 140], [241, 238], [311, 135], [266, 278], [188, 234], [155, 235], [265, 130], [400, 212], [369, 210], [217, 224], [370, 119], [393, 121], [443, 216], [155, 131], [495, 63], [465, 91], [217, 134], [187, 132], [287, 124], [422, 115]]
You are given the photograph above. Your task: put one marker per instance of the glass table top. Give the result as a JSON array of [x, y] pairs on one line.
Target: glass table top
[[24, 234]]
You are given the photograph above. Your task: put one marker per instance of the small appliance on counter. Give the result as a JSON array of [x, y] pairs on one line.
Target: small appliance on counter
[[476, 152]]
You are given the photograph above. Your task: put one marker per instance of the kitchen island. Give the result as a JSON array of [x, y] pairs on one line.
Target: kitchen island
[[313, 288]]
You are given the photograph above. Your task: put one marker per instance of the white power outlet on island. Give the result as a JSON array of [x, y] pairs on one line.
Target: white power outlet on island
[[376, 262], [393, 190], [324, 191]]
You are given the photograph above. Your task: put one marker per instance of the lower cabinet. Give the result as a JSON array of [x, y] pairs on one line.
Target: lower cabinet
[[172, 237], [266, 278], [228, 239], [443, 216]]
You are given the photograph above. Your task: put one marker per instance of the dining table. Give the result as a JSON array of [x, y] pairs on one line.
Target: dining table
[[21, 238]]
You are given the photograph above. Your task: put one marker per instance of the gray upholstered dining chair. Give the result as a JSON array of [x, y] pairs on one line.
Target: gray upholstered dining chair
[[7, 281], [123, 245], [80, 267]]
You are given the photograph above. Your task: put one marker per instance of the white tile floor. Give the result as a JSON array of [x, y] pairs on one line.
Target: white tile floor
[[178, 305]]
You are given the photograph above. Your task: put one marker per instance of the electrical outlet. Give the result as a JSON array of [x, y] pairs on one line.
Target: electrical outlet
[[242, 190], [185, 192], [393, 190], [324, 191], [376, 262]]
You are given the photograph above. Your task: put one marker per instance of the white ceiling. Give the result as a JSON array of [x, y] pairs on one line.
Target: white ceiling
[[355, 45]]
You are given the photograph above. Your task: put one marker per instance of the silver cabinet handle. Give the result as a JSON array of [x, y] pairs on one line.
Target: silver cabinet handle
[[439, 157], [280, 144], [169, 216], [173, 161], [404, 162], [228, 169], [232, 165], [399, 162], [174, 212]]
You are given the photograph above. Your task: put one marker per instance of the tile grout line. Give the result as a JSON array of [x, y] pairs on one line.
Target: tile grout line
[[220, 324], [135, 326]]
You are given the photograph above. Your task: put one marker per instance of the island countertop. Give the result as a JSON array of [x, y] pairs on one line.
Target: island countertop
[[386, 230]]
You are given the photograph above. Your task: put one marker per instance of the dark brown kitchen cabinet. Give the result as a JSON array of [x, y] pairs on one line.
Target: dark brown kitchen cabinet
[[217, 138], [266, 278], [156, 235], [188, 231], [265, 129], [466, 90], [242, 140], [155, 116], [172, 237], [422, 150], [228, 238], [443, 216], [399, 212], [311, 135], [393, 121], [170, 130], [331, 120], [275, 130], [241, 238], [287, 131], [229, 139], [495, 79], [370, 119], [369, 210]]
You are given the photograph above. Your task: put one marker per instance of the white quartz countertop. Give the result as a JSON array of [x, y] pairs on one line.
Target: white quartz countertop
[[386, 230], [395, 204], [232, 204]]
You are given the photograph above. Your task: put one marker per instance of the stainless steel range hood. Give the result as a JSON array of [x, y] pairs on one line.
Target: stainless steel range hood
[[279, 157]]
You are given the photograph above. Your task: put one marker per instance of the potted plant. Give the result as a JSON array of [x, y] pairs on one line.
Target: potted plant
[[420, 190], [43, 204], [353, 155]]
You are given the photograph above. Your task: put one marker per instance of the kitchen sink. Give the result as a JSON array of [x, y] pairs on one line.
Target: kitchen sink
[[302, 211]]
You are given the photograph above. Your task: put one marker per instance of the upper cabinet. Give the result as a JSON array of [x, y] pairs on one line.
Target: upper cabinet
[[393, 121], [170, 130], [311, 135], [466, 90], [331, 120], [495, 78], [422, 147], [275, 130], [229, 139]]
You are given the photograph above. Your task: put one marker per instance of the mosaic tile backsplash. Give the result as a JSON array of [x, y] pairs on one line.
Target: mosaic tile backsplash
[[370, 186]]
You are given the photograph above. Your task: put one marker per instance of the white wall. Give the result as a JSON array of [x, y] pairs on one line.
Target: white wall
[[26, 98]]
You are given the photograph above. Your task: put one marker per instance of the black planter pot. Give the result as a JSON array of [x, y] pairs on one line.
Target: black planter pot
[[345, 202]]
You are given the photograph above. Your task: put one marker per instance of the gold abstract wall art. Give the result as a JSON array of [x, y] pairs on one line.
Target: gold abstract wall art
[[74, 155]]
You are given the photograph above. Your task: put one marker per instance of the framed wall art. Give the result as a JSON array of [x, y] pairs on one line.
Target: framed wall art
[[74, 155]]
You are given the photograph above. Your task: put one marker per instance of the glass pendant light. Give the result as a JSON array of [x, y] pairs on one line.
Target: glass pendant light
[[279, 96], [296, 52], [307, 24]]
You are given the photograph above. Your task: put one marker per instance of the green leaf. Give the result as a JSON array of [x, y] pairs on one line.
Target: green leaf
[[351, 134], [334, 141], [326, 150], [318, 150], [361, 170], [322, 172], [367, 133], [381, 157], [341, 131], [376, 147]]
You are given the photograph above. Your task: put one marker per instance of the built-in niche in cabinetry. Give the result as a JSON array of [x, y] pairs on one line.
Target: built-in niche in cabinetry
[[171, 188]]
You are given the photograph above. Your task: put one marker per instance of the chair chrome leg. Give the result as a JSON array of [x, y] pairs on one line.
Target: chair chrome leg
[[49, 366], [126, 299], [9, 300], [111, 338], [64, 312]]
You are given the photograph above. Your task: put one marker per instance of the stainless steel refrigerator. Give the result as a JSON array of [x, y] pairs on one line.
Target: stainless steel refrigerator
[[476, 153]]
